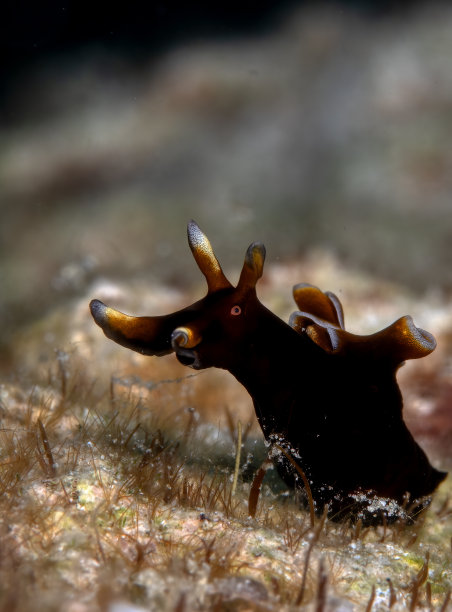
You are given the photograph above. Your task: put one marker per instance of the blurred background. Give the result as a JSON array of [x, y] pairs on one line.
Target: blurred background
[[312, 127]]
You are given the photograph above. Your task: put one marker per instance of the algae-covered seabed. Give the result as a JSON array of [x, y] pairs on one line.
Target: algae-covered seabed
[[116, 482], [328, 140]]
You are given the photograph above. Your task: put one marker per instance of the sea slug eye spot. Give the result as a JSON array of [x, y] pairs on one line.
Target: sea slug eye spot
[[236, 310]]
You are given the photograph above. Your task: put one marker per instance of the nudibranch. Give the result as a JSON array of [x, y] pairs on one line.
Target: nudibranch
[[327, 397]]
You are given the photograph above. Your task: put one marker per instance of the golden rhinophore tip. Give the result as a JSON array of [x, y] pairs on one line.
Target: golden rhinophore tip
[[205, 258]]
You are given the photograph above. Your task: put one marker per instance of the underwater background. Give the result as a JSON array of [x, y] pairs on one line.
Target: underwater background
[[320, 129], [307, 126]]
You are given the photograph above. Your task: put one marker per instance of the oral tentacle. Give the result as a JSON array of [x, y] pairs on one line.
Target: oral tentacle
[[185, 337], [146, 335]]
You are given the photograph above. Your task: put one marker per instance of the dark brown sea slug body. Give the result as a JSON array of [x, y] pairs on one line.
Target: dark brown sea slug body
[[328, 397]]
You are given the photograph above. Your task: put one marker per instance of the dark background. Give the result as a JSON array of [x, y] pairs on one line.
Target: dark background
[[32, 32]]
